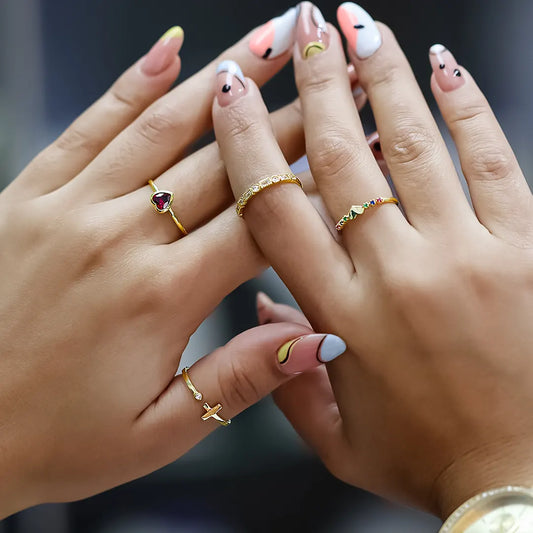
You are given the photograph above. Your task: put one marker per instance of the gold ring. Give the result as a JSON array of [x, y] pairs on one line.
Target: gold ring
[[262, 184], [211, 412], [162, 202], [357, 210]]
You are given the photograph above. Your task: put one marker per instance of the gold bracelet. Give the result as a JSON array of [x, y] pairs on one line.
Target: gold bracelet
[[262, 184]]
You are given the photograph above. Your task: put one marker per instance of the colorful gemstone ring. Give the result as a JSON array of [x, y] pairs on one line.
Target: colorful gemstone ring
[[162, 202], [210, 412], [357, 210]]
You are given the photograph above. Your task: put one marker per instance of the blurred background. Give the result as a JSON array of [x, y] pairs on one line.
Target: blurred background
[[57, 57]]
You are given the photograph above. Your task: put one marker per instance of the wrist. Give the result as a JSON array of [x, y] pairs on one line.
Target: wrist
[[481, 471]]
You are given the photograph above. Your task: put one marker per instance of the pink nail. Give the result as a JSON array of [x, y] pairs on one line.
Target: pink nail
[[447, 73], [163, 53], [230, 83], [309, 351], [311, 31]]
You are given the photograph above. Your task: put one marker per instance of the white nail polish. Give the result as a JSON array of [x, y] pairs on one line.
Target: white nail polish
[[231, 67], [331, 347], [276, 36], [359, 29]]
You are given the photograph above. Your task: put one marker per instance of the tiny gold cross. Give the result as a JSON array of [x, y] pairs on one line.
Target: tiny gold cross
[[212, 412]]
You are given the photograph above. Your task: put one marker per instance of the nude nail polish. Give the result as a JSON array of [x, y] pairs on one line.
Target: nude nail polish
[[309, 351], [161, 55], [311, 31], [276, 36], [447, 73], [359, 29], [230, 83]]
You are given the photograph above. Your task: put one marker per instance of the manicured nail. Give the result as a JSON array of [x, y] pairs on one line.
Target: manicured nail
[[263, 304], [311, 31], [162, 54], [309, 351], [359, 29], [375, 146], [230, 82], [447, 73], [276, 36]]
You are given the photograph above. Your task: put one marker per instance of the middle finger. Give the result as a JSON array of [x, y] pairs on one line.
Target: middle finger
[[157, 138]]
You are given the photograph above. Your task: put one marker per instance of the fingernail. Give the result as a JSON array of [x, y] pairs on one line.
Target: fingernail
[[311, 31], [447, 73], [375, 146], [309, 351], [263, 304], [162, 54], [359, 29], [230, 82], [276, 36]]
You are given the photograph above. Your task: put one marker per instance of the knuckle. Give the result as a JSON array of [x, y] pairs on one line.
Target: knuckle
[[490, 163], [334, 153], [384, 76], [237, 388], [240, 125], [412, 145], [118, 99], [156, 126], [318, 82], [75, 139]]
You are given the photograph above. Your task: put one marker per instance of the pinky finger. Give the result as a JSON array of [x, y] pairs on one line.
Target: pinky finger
[[500, 194], [139, 86]]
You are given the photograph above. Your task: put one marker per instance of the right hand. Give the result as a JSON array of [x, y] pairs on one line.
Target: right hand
[[432, 402]]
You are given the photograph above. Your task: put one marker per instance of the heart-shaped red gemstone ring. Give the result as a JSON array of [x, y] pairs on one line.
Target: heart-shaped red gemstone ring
[[162, 202]]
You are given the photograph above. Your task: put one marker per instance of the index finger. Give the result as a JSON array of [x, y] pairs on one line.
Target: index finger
[[282, 220]]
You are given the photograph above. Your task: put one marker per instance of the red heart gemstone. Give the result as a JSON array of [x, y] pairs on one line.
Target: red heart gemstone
[[162, 200]]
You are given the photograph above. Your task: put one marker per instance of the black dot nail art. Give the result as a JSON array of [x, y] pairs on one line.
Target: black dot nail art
[[359, 26], [267, 53], [442, 66], [457, 73], [226, 88]]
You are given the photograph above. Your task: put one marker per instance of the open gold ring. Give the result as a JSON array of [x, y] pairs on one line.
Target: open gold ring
[[210, 412]]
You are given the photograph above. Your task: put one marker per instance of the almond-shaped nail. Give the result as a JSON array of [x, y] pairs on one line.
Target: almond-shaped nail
[[311, 31], [447, 73], [359, 29], [230, 83], [309, 351], [161, 55], [276, 36]]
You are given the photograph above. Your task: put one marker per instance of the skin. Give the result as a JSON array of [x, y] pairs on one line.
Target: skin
[[433, 402], [99, 294]]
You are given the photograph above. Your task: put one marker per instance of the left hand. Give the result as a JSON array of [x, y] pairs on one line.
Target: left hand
[[436, 307]]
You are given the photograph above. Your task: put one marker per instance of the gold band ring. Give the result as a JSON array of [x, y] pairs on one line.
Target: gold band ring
[[262, 184], [211, 412], [162, 202], [357, 210]]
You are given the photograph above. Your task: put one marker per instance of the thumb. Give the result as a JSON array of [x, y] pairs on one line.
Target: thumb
[[233, 377]]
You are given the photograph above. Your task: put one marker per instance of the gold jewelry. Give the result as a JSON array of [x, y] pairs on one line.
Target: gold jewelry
[[505, 509], [211, 412], [357, 210], [162, 202], [262, 184]]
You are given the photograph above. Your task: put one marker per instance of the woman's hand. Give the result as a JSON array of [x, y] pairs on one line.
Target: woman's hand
[[100, 294], [434, 401]]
